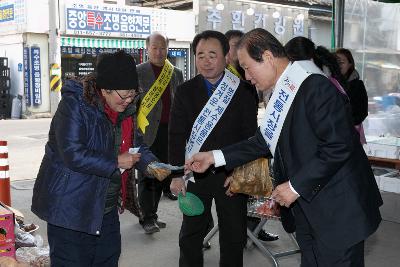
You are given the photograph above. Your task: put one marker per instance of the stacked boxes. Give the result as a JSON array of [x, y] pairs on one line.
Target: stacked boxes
[[7, 237], [5, 97], [388, 180], [383, 147]]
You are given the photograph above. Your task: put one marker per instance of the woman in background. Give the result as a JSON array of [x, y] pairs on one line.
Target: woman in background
[[355, 89]]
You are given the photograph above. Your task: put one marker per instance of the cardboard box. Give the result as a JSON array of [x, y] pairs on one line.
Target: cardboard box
[[387, 179], [390, 182], [7, 250], [7, 237]]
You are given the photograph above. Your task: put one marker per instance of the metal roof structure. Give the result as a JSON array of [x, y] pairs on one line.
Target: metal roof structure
[[187, 5]]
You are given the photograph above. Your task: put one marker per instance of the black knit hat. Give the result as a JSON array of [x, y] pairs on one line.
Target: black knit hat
[[116, 71]]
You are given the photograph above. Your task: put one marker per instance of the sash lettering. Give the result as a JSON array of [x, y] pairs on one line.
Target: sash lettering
[[153, 95], [282, 98], [212, 112]]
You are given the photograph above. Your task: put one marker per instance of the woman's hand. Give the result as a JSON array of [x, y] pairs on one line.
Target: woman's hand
[[127, 160]]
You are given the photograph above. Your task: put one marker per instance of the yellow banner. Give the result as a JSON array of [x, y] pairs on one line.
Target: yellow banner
[[234, 71], [154, 94]]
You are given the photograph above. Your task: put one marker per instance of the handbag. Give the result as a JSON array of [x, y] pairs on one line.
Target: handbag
[[132, 200], [252, 179]]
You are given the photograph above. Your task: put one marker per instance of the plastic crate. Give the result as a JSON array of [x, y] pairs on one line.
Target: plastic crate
[[4, 72], [5, 106], [4, 92], [3, 62], [4, 83], [5, 97]]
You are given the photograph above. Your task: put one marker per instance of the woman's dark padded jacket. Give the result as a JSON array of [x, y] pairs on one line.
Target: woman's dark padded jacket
[[71, 186], [358, 98]]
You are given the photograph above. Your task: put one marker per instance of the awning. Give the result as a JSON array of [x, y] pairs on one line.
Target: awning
[[101, 43]]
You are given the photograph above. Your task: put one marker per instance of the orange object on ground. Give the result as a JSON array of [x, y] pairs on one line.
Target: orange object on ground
[[5, 195]]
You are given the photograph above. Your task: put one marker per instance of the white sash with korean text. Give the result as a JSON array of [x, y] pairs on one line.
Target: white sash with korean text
[[212, 112], [282, 98]]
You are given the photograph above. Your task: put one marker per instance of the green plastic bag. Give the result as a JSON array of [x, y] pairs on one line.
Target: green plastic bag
[[190, 205]]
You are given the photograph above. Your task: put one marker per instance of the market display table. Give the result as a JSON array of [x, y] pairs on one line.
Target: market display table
[[254, 210], [384, 162]]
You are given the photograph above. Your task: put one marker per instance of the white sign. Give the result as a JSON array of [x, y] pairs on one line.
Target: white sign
[[127, 21], [283, 21]]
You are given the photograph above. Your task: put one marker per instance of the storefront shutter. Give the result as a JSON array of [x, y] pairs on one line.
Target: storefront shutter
[[101, 43]]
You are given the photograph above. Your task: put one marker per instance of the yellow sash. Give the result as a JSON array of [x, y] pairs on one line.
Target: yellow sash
[[234, 71], [154, 94]]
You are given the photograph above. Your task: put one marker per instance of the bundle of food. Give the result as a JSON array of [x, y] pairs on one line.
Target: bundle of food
[[34, 256], [263, 207], [24, 234], [252, 179], [41, 261], [161, 170]]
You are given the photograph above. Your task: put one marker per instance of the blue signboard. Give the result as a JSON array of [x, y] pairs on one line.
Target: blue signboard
[[177, 53], [92, 21], [6, 13], [36, 76], [27, 77]]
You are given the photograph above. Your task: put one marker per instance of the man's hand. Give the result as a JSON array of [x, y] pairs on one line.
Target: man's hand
[[200, 162], [228, 181], [178, 185], [127, 160], [284, 195]]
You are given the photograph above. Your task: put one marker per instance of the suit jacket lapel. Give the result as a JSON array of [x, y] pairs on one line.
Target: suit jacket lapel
[[148, 75]]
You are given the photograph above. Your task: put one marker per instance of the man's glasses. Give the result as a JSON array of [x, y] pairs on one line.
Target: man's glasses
[[131, 95]]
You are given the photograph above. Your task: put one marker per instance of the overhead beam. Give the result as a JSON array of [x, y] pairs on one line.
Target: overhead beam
[[168, 3]]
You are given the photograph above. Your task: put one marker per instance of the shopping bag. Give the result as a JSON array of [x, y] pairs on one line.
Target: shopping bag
[[252, 179]]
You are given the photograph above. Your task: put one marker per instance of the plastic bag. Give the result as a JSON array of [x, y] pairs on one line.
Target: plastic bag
[[31, 250], [26, 239], [159, 170], [23, 239], [252, 179], [35, 256]]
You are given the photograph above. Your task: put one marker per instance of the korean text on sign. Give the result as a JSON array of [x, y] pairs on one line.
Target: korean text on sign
[[106, 21], [36, 76]]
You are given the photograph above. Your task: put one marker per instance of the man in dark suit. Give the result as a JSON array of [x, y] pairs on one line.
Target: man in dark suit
[[238, 121], [323, 173], [233, 37], [156, 132]]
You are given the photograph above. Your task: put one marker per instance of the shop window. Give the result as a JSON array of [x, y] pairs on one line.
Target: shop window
[[80, 61]]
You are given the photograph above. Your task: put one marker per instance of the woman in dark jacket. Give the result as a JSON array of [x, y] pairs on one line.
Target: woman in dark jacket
[[355, 87], [82, 178]]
